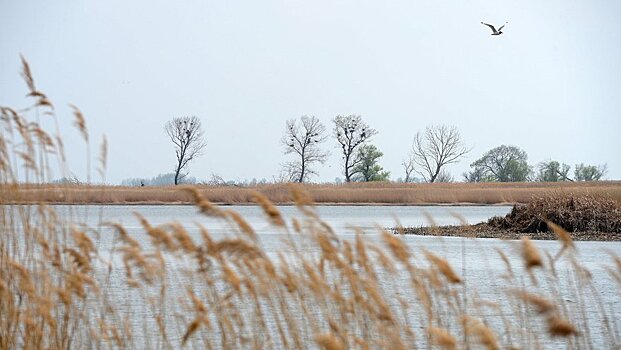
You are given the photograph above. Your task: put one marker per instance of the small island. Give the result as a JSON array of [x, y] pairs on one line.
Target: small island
[[583, 217]]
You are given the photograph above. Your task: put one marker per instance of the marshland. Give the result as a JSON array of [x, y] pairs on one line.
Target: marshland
[[420, 223], [203, 275], [374, 193]]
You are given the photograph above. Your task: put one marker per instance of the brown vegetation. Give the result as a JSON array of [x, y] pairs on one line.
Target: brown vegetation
[[169, 287], [59, 290], [352, 193], [560, 216], [585, 213]]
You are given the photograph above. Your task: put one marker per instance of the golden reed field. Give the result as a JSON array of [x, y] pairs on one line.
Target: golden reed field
[[384, 193], [67, 285]]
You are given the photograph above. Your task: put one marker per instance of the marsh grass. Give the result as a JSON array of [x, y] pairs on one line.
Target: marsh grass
[[176, 289], [353, 193]]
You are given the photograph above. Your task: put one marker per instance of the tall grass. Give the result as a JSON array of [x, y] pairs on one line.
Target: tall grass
[[172, 286], [367, 193]]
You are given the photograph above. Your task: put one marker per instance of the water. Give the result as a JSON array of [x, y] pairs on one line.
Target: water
[[474, 259], [341, 218]]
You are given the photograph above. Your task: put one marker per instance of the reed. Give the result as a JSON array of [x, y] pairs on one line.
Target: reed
[[173, 286]]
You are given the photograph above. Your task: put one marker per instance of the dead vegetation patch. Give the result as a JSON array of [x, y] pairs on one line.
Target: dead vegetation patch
[[574, 213]]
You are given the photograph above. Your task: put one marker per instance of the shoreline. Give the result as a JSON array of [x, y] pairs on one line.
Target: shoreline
[[284, 204], [483, 230]]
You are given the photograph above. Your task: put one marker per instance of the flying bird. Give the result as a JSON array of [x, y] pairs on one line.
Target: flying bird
[[495, 32]]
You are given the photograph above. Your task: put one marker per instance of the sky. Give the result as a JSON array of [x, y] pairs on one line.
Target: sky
[[549, 85]]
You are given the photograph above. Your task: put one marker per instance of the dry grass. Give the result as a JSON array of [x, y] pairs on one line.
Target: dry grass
[[169, 288], [358, 193], [585, 213]]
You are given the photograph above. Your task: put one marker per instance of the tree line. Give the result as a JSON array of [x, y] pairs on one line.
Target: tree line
[[431, 151], [510, 164]]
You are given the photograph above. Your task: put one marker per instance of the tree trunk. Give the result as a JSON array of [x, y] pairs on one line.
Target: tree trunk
[[301, 179], [347, 179]]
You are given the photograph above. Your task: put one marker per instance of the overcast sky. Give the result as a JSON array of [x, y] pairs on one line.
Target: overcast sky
[[550, 85]]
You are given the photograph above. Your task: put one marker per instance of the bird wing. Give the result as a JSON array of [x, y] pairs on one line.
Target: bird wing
[[499, 29], [491, 26]]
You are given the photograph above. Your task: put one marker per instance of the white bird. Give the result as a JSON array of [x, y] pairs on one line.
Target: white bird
[[495, 32]]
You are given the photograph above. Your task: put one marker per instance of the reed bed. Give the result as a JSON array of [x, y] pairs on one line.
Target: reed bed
[[358, 193], [171, 286], [584, 213]]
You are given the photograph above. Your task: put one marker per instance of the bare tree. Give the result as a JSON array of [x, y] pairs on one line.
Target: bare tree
[[350, 132], [444, 176], [408, 167], [187, 135], [436, 147], [303, 140], [289, 172]]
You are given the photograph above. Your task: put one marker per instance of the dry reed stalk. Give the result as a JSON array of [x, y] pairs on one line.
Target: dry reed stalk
[[398, 248], [563, 236], [204, 205], [361, 256], [239, 248], [297, 227], [482, 333], [44, 139], [552, 262], [26, 284], [159, 237], [541, 304], [584, 275], [559, 327], [230, 276], [617, 261], [27, 76], [434, 279], [506, 261], [329, 341], [384, 260], [83, 242], [269, 209], [82, 262], [348, 253], [3, 286], [315, 282], [243, 225], [613, 273], [616, 274], [199, 306], [530, 254], [124, 235], [103, 157], [80, 122], [192, 328], [443, 266], [383, 311], [181, 235], [288, 279], [442, 338]]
